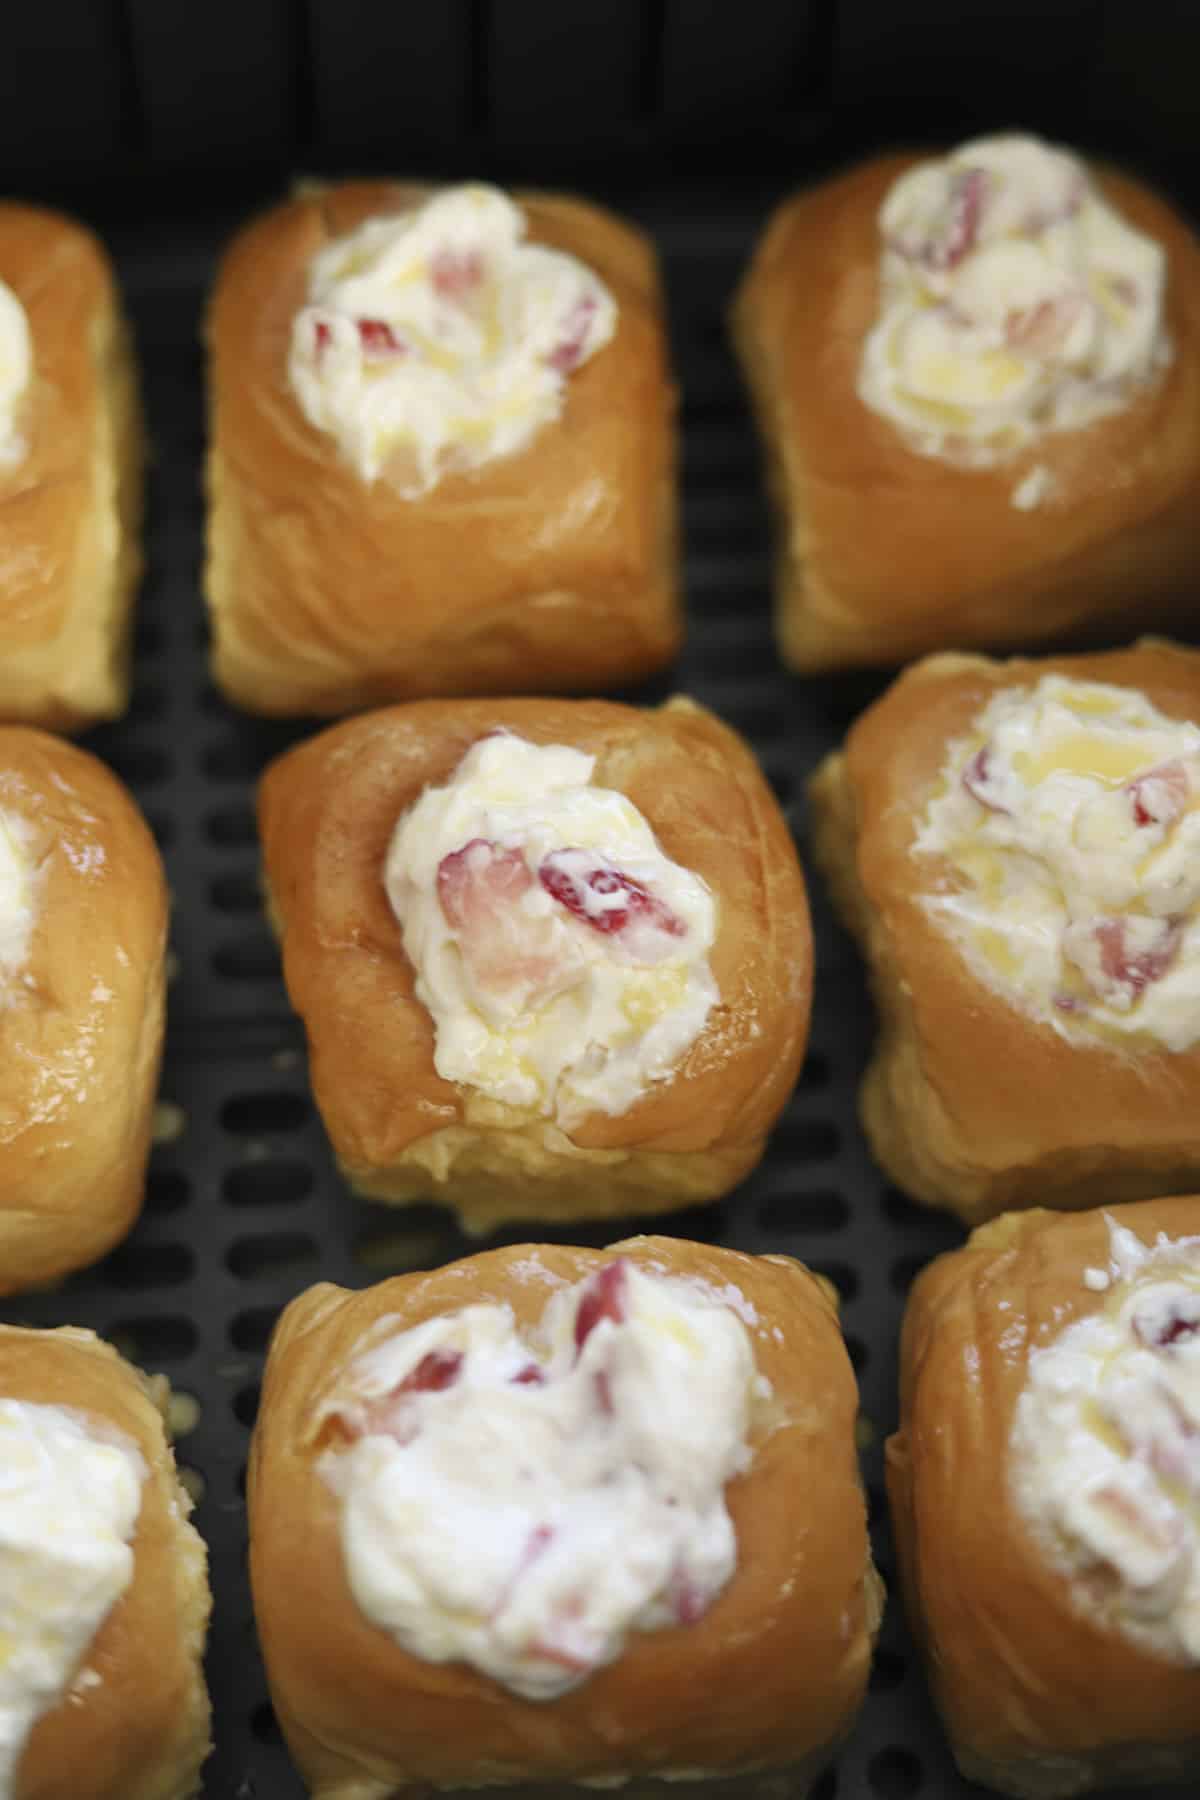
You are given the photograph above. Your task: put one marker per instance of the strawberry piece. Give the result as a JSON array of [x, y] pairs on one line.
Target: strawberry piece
[[946, 248], [1136, 969], [687, 1599], [532, 1375], [567, 354], [436, 1371], [602, 1298], [1160, 795], [1042, 330], [1158, 1331], [596, 892], [476, 881], [323, 336], [378, 338], [456, 272], [976, 778]]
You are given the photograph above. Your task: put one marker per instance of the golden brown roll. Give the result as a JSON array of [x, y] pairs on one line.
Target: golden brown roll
[[401, 1130], [763, 1684], [986, 1092], [1051, 1674], [70, 505], [885, 553], [134, 1722], [83, 921], [550, 568]]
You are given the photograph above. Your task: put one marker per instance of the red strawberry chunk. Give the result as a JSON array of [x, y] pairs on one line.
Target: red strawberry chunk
[[1136, 969], [1159, 1331], [477, 881], [378, 338], [504, 948], [436, 1371], [1160, 795], [596, 892], [602, 1298], [1042, 330], [456, 273], [323, 336], [532, 1375], [569, 350], [946, 248], [687, 1599], [977, 777]]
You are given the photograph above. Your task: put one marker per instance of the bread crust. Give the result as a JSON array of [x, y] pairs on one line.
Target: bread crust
[[327, 811], [1038, 1700], [81, 1026], [970, 1103], [70, 510], [770, 1677], [885, 554], [554, 568], [141, 1732]]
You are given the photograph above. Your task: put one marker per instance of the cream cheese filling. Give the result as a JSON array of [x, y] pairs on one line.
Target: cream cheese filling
[[16, 376], [1014, 300], [524, 1499], [563, 957], [1105, 1447], [438, 340], [1069, 821]]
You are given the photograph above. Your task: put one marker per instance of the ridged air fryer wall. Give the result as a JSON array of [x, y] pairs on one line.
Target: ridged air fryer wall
[[164, 123]]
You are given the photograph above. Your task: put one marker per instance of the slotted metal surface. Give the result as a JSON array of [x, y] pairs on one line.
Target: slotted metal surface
[[244, 1207]]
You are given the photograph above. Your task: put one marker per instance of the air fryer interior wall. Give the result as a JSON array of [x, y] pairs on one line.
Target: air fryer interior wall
[[164, 126]]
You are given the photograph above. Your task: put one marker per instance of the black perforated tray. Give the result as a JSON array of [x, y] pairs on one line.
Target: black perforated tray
[[244, 1207]]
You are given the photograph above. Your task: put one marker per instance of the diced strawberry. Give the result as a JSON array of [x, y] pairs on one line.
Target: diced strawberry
[[378, 338], [567, 352], [976, 778], [1136, 969], [947, 246], [1042, 330], [596, 892], [456, 272], [1069, 1003], [602, 1298], [478, 880], [1160, 795], [532, 1375], [1160, 1331], [322, 335], [436, 1371], [687, 1599]]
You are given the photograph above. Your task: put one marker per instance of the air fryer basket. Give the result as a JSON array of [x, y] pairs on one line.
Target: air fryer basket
[[164, 125]]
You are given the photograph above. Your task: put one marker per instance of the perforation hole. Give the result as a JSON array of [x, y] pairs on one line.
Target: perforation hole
[[150, 1341], [808, 1140], [858, 1353], [235, 760], [783, 782], [901, 1210], [827, 1787], [388, 1249], [232, 827], [139, 765], [257, 1115], [887, 1671], [815, 1073], [251, 1330], [236, 894], [271, 1253], [283, 1183], [147, 702], [876, 1503], [248, 959], [147, 634], [245, 1404], [805, 1214], [843, 1277], [149, 1265], [167, 1190], [162, 828], [894, 1774]]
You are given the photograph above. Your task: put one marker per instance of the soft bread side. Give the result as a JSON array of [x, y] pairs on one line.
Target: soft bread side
[[553, 569], [141, 1731], [81, 1026], [70, 510], [884, 554], [327, 811], [781, 1658]]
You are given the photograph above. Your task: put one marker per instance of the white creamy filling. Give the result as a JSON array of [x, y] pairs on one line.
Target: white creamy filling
[[521, 1501], [1105, 1448], [16, 374], [438, 340], [1070, 816], [1013, 301], [561, 954], [16, 898], [69, 1504]]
